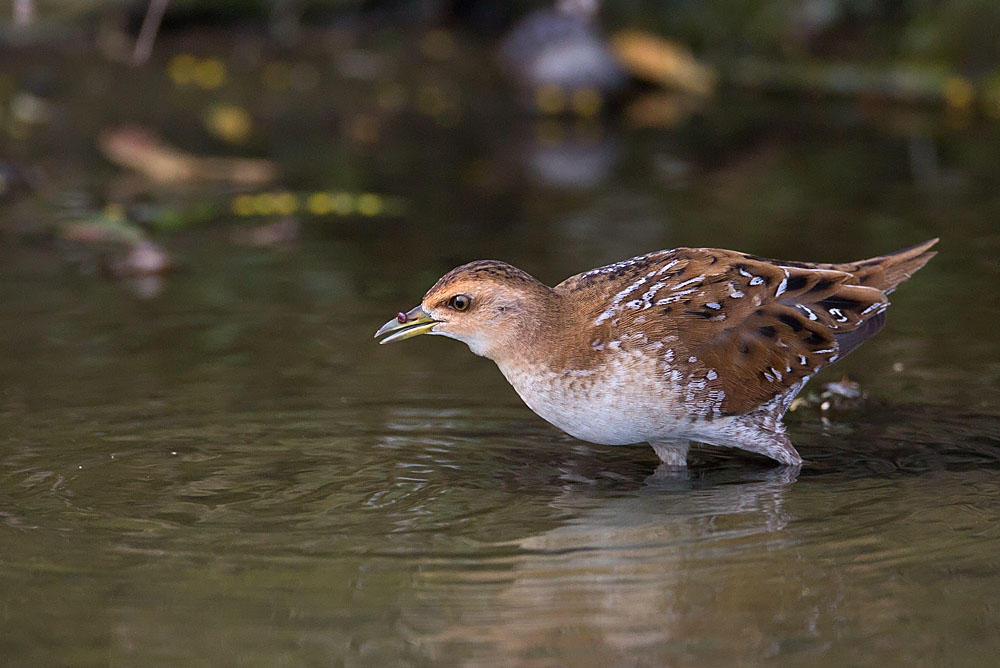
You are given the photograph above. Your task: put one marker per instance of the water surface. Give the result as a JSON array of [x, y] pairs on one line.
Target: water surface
[[226, 470]]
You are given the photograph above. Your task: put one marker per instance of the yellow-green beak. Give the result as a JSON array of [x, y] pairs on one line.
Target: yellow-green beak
[[406, 325]]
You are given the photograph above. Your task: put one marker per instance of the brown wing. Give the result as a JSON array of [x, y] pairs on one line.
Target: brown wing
[[790, 323], [751, 328]]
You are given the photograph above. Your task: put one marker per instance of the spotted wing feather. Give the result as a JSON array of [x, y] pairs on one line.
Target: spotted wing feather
[[751, 329], [784, 328]]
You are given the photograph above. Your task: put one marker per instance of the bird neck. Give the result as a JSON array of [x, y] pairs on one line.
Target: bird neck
[[546, 329]]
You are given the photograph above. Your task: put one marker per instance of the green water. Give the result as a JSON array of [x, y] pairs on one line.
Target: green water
[[232, 473]]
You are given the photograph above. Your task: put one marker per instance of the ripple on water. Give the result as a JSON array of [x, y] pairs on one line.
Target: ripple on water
[[493, 534]]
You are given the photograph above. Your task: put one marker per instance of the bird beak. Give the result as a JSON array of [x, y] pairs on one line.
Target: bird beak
[[406, 325]]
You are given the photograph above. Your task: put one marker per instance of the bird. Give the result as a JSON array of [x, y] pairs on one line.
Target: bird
[[561, 60], [689, 344]]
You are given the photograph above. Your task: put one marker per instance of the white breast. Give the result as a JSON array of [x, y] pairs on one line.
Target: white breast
[[631, 399]]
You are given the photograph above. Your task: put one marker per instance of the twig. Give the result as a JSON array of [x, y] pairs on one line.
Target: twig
[[147, 33]]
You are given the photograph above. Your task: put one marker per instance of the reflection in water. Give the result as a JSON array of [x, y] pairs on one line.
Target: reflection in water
[[718, 575], [623, 575], [570, 157], [432, 529]]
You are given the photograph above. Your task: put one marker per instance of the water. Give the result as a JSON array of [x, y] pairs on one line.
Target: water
[[233, 473]]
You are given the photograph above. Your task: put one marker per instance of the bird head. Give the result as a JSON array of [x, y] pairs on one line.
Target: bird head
[[489, 305]]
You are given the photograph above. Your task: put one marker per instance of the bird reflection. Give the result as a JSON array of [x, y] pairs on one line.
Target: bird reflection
[[645, 570]]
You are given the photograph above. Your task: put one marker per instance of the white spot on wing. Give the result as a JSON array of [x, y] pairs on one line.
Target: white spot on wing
[[690, 281], [872, 308], [674, 297], [667, 266], [613, 307], [838, 315], [782, 286]]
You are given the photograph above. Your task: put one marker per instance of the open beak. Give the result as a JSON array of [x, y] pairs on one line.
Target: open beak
[[406, 325]]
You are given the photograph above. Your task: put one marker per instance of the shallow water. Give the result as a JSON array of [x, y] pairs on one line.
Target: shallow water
[[233, 473]]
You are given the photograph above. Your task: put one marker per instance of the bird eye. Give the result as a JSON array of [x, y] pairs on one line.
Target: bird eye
[[460, 302]]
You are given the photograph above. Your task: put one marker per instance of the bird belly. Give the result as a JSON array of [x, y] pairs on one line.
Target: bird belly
[[615, 404]]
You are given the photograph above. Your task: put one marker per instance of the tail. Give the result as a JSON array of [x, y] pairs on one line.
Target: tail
[[858, 299], [887, 271]]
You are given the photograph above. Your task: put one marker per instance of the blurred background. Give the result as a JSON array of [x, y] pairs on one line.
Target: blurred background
[[207, 208]]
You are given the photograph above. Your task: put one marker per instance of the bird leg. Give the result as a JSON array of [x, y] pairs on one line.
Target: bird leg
[[775, 445], [672, 452], [753, 438]]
